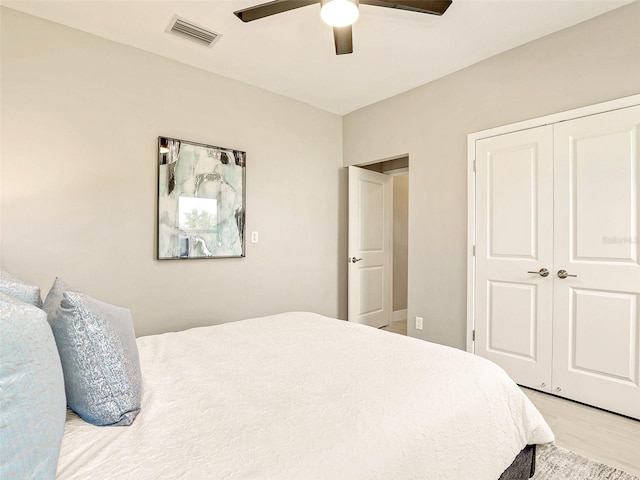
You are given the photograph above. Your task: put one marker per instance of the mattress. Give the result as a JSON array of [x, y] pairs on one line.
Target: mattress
[[303, 396]]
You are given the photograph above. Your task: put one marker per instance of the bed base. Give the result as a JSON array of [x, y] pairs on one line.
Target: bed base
[[523, 466]]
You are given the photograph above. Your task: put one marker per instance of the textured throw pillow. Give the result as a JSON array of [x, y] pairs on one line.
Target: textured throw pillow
[[32, 403], [99, 356], [19, 289], [53, 300], [12, 300]]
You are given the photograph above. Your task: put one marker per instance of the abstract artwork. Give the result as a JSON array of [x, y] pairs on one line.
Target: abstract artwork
[[201, 200]]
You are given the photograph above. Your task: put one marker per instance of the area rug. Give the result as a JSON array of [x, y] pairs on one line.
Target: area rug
[[555, 463]]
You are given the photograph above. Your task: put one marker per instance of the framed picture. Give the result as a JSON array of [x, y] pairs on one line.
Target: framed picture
[[201, 200]]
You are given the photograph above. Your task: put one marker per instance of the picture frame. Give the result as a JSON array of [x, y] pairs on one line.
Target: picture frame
[[201, 200]]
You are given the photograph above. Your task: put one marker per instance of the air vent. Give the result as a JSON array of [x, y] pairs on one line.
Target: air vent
[[190, 30]]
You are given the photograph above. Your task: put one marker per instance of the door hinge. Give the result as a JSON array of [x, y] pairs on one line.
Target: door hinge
[[474, 250], [473, 335]]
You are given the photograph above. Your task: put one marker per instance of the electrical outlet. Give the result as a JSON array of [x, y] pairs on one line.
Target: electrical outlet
[[254, 237], [419, 321]]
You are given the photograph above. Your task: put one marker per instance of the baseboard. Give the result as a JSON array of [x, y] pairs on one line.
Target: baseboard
[[399, 315]]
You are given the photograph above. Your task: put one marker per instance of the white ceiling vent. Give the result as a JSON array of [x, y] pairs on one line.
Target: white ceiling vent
[[188, 29]]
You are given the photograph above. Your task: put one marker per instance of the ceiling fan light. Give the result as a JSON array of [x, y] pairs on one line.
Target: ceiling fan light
[[339, 13]]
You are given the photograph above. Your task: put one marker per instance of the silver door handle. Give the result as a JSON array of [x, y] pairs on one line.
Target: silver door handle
[[564, 274], [543, 272], [354, 259]]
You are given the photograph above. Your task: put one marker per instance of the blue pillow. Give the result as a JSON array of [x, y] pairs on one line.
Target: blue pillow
[[32, 404], [99, 355], [4, 297], [52, 303], [19, 289]]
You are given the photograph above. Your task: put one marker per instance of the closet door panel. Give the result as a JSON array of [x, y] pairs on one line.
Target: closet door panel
[[596, 216], [514, 236]]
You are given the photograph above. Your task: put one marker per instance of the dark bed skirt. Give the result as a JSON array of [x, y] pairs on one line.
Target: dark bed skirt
[[523, 466]]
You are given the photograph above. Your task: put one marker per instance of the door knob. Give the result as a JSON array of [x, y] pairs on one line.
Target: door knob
[[543, 272], [354, 259], [564, 274]]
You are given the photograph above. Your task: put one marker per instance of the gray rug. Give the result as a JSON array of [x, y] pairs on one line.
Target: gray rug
[[555, 463]]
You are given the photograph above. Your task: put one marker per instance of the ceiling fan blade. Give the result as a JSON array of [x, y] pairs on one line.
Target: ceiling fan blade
[[343, 39], [433, 7], [271, 8]]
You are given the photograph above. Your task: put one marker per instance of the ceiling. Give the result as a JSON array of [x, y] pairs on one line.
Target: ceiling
[[292, 53]]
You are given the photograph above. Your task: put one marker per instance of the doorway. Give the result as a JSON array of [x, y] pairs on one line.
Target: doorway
[[398, 171]]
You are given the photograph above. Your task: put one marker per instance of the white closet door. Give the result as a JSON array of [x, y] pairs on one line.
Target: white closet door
[[514, 236], [596, 315]]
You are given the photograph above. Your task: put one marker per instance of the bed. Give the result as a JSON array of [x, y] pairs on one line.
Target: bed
[[303, 396], [299, 395]]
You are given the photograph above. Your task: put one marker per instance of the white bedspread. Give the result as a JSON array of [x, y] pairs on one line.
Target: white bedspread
[[303, 396]]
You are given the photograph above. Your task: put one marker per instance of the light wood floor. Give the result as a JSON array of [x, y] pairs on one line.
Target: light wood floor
[[601, 436], [397, 327], [596, 434]]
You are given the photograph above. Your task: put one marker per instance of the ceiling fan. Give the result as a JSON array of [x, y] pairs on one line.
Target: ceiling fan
[[341, 14]]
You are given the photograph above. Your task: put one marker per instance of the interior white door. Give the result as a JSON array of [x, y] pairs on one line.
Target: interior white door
[[597, 319], [514, 247], [370, 268]]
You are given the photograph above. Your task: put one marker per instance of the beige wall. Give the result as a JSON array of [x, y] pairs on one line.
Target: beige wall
[[80, 116], [400, 247], [80, 121], [586, 64]]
